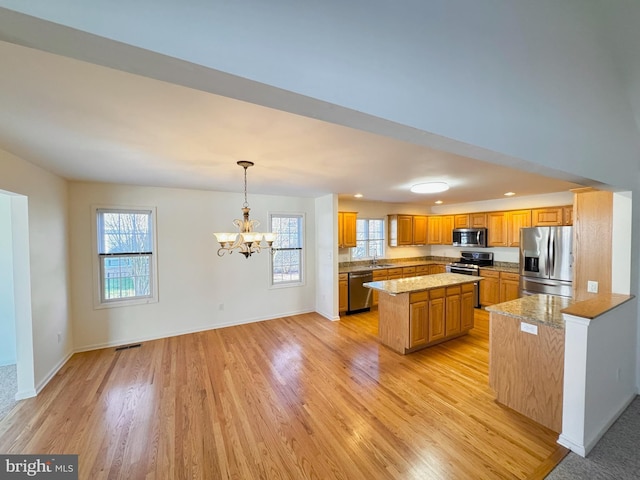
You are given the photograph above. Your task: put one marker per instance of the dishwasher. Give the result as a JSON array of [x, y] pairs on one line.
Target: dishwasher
[[359, 296]]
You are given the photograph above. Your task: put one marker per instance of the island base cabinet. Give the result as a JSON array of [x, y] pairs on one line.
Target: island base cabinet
[[411, 321], [526, 369]]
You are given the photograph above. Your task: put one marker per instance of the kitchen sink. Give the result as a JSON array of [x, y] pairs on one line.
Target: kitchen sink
[[382, 265]]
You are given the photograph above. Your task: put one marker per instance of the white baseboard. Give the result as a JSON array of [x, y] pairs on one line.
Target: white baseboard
[[22, 394], [43, 383]]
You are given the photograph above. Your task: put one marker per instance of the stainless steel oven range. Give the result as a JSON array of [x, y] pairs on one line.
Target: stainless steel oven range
[[469, 264]]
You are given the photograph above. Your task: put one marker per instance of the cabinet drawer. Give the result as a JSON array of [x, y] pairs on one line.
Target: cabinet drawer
[[467, 287], [418, 297], [437, 293], [422, 270], [409, 271], [455, 290], [394, 272], [379, 275], [343, 277], [489, 273], [509, 276]]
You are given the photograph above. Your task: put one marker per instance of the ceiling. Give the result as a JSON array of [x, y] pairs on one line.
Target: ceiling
[[88, 122]]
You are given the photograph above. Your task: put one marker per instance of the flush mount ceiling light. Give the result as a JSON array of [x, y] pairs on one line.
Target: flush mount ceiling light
[[358, 195], [245, 240], [430, 187], [509, 194]]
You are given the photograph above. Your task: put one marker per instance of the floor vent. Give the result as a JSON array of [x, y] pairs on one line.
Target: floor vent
[[126, 347]]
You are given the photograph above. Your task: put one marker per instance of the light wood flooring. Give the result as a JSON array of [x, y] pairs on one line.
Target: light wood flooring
[[292, 398]]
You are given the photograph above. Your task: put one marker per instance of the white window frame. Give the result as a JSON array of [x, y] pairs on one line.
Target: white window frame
[[367, 240], [296, 283], [98, 300]]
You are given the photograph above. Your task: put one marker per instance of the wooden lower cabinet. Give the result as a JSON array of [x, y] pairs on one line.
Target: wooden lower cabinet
[[343, 292], [489, 287], [498, 287], [436, 314], [411, 321], [378, 275], [509, 286]]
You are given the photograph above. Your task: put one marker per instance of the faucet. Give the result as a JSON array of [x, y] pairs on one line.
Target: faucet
[[375, 259]]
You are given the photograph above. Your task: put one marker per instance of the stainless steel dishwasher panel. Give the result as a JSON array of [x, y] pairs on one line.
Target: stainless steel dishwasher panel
[[359, 297]]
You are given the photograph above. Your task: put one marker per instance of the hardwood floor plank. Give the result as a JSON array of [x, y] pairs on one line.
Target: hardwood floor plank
[[291, 398]]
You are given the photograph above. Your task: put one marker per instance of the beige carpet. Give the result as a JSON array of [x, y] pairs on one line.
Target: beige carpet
[[8, 388], [615, 457]]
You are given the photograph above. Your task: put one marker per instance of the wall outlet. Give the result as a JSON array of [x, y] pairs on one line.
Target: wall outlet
[[592, 287], [528, 328]]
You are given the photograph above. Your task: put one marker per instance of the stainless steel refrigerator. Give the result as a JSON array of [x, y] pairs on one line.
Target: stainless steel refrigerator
[[546, 261]]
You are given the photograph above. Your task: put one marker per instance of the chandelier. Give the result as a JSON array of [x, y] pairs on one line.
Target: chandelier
[[246, 240]]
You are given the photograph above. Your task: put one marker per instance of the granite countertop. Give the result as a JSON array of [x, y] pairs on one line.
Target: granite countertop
[[542, 309], [386, 264], [504, 267], [424, 282]]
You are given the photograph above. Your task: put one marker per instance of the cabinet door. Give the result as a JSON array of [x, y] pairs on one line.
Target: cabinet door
[[405, 229], [567, 215], [497, 229], [434, 229], [343, 292], [478, 220], [489, 288], [453, 310], [467, 307], [340, 229], [378, 275], [418, 323], [515, 221], [546, 217], [446, 230], [419, 230], [436, 314], [461, 221], [509, 286], [349, 238]]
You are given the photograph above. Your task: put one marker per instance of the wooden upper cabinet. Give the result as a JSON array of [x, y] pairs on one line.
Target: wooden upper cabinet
[[347, 229], [546, 217], [419, 230], [516, 220], [446, 230], [478, 220], [567, 215], [434, 230], [461, 221], [407, 230], [440, 229], [497, 229]]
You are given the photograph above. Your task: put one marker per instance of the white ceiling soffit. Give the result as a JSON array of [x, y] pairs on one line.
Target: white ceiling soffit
[[169, 126]]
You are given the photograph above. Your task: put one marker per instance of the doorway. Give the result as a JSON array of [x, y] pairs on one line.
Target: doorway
[[16, 342]]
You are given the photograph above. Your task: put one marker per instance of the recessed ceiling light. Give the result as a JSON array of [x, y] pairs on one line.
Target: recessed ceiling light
[[439, 202], [358, 195], [430, 187], [509, 194]]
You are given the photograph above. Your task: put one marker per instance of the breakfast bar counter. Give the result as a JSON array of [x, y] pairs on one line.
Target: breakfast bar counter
[[418, 312]]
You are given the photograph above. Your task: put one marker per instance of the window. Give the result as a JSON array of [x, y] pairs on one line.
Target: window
[[286, 260], [369, 239], [125, 256]]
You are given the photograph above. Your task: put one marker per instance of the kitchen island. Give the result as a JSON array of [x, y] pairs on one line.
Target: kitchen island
[[418, 312]]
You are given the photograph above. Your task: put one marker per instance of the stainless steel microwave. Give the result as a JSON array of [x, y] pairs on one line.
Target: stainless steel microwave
[[469, 237]]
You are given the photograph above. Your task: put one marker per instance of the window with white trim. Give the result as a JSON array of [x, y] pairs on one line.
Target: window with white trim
[[369, 239], [286, 258], [126, 263]]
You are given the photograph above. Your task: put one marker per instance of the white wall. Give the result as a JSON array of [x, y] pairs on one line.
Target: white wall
[[197, 289], [47, 312], [7, 307], [327, 257]]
